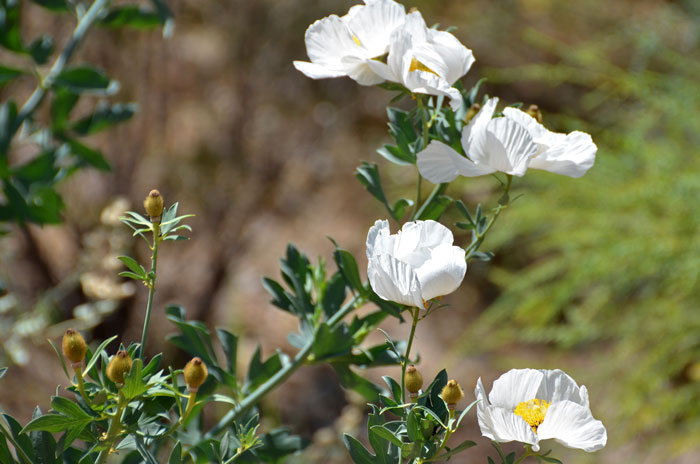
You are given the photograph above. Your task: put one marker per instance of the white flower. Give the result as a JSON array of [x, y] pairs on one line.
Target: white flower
[[343, 46], [425, 60], [416, 264], [529, 405], [508, 144]]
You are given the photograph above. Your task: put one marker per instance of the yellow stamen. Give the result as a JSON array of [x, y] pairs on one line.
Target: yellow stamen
[[356, 40], [418, 66], [533, 412]]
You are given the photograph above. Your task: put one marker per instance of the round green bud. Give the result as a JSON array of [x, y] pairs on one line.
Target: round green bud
[[119, 366], [74, 346], [195, 374], [413, 379], [154, 204], [452, 393]]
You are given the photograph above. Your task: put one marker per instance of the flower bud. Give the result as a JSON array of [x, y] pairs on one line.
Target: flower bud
[[413, 380], [472, 112], [195, 374], [74, 347], [452, 393], [154, 205], [534, 111], [119, 366]]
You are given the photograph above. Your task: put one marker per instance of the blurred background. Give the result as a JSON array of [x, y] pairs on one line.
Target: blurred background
[[597, 276]]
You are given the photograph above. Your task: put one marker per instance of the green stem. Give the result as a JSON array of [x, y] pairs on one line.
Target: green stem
[[283, 374], [151, 289], [480, 236], [404, 363], [183, 417], [115, 428], [528, 452], [81, 384], [79, 32]]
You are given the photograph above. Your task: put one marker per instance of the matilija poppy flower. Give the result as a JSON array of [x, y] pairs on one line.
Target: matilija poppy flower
[[529, 405], [511, 144], [425, 60], [414, 265], [344, 46]]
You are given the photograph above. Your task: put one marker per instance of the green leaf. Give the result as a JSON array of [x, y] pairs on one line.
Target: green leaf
[[348, 267], [84, 79], [176, 454], [43, 443], [133, 382], [259, 372], [53, 5], [358, 452], [10, 36], [415, 435], [229, 343], [281, 298], [8, 116], [333, 294], [68, 408], [41, 169], [132, 264], [350, 379], [96, 355], [386, 434], [41, 49], [5, 455], [132, 16], [55, 423], [20, 437], [7, 74], [396, 155], [434, 208], [332, 342], [457, 449], [60, 357], [88, 155], [399, 208], [105, 117], [394, 387], [279, 443]]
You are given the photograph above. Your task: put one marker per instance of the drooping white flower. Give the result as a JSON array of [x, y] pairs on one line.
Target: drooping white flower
[[414, 265], [344, 46], [425, 60], [509, 144], [529, 405], [569, 154]]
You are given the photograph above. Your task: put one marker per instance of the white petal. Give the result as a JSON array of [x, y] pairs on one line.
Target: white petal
[[373, 24], [505, 146], [317, 71], [457, 58], [558, 386], [478, 123], [376, 238], [440, 163], [573, 426], [394, 281], [328, 40], [359, 70], [535, 129], [443, 273], [418, 237], [514, 387], [573, 157]]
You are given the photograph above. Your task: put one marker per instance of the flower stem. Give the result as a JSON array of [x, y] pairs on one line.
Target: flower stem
[[528, 452], [151, 288], [480, 236], [414, 314], [115, 428], [81, 385]]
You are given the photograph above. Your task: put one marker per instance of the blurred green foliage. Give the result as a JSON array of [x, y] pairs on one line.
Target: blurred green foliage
[[606, 267]]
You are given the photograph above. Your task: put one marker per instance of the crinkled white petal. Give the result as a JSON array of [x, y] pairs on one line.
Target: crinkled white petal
[[572, 157], [418, 237], [394, 280], [573, 425], [440, 163], [317, 71], [535, 129], [505, 146], [478, 124], [374, 23], [328, 40], [377, 238], [559, 386], [515, 387], [443, 272], [359, 70], [456, 57]]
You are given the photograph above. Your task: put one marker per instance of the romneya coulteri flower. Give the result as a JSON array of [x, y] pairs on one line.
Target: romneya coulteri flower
[[529, 405], [509, 144], [344, 46], [414, 265], [425, 60]]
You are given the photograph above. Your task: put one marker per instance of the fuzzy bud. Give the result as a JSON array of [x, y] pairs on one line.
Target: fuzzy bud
[[534, 111], [413, 380], [119, 366], [195, 374], [154, 205], [472, 112], [452, 393], [74, 347]]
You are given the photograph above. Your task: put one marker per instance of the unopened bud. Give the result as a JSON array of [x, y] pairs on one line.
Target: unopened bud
[[534, 111], [452, 393], [74, 347], [413, 380], [472, 112], [195, 374], [119, 366], [154, 205]]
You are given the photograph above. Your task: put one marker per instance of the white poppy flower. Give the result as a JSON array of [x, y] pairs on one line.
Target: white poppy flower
[[425, 60], [343, 46], [416, 264], [569, 154], [492, 145], [529, 405]]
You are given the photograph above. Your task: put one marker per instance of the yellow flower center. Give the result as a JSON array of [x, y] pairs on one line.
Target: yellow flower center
[[356, 40], [532, 411], [418, 66]]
